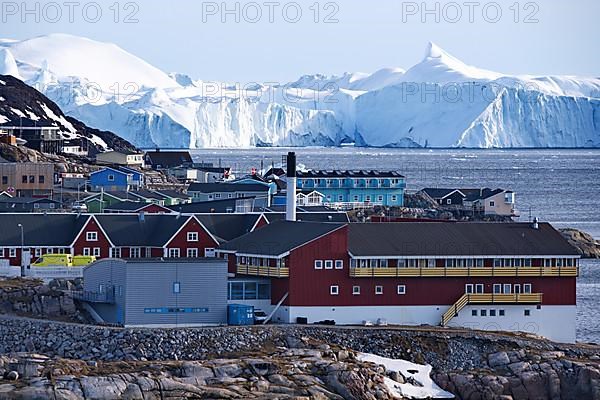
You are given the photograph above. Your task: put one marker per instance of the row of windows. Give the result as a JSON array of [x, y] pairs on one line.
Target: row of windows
[[355, 182], [329, 264], [37, 252], [494, 312], [334, 290], [26, 179], [93, 236], [136, 252], [260, 261], [356, 198], [499, 288], [460, 262], [249, 291]]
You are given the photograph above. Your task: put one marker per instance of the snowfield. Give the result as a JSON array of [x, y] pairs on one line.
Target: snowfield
[[439, 102]]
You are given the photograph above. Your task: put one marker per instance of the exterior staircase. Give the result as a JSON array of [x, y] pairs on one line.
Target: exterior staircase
[[489, 298]]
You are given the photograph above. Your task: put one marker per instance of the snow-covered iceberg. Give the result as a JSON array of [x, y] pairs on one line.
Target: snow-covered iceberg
[[439, 102]]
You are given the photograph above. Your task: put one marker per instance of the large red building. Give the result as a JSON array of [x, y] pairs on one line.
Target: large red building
[[498, 276]]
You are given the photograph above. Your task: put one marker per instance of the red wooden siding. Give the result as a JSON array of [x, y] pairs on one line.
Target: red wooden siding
[[81, 242], [180, 240]]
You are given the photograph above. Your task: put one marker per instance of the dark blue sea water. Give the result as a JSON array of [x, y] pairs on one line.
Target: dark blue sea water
[[558, 186]]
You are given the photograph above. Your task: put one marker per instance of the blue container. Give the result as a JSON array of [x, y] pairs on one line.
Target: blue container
[[240, 314]]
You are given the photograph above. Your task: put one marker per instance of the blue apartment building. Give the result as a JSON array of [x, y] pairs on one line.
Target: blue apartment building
[[384, 188]]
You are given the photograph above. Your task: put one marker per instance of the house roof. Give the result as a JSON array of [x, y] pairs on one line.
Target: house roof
[[457, 239], [227, 187], [439, 193], [40, 229], [173, 194], [168, 159], [104, 169], [129, 205], [26, 200], [469, 194], [215, 206], [148, 194], [154, 230], [348, 174], [278, 238], [226, 227], [327, 216], [277, 171]]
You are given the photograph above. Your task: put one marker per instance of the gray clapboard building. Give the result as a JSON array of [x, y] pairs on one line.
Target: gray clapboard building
[[157, 292]]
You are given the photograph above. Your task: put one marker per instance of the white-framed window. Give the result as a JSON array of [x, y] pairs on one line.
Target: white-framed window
[[469, 288], [96, 252], [135, 252], [209, 252], [401, 263], [318, 264], [173, 253], [115, 252], [383, 263], [328, 264], [192, 236], [559, 262], [517, 262], [12, 253], [527, 288], [111, 178], [368, 199], [1, 252], [479, 288], [378, 289], [176, 287], [517, 288], [448, 201], [483, 313], [339, 264], [91, 236], [38, 252], [217, 195], [340, 197], [401, 289], [479, 263], [492, 203], [87, 251], [507, 262], [507, 288], [101, 288], [356, 290], [374, 263], [497, 288], [230, 195], [356, 198], [527, 262], [412, 263], [192, 253], [334, 290], [394, 198], [527, 313], [431, 263]]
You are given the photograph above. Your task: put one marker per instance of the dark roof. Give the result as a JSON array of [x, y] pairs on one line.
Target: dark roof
[[129, 205], [168, 159], [329, 216], [279, 237], [226, 227], [26, 200], [348, 174], [205, 207], [174, 194], [227, 187], [438, 193], [277, 171], [40, 229], [458, 239], [469, 194], [154, 230]]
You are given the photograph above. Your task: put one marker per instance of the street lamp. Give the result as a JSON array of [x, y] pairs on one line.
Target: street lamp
[[22, 250], [78, 187]]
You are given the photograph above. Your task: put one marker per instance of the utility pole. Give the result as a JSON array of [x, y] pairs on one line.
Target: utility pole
[[22, 250]]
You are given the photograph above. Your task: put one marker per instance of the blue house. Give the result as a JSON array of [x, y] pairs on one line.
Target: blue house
[[137, 177], [384, 188], [110, 179]]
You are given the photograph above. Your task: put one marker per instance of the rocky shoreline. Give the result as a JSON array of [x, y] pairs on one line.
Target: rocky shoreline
[[59, 360], [585, 243]]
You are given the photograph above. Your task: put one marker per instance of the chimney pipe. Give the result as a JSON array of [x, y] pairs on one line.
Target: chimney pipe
[[290, 207], [536, 224]]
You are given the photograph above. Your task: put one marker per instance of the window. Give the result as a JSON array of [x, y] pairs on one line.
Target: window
[[264, 291], [401, 263], [355, 290], [87, 251], [217, 195], [209, 252], [469, 288], [431, 263], [96, 252], [517, 288], [41, 179], [340, 198], [497, 262], [91, 236], [176, 287], [492, 313], [469, 262], [173, 253], [339, 264], [473, 313], [380, 198], [479, 263], [115, 252], [547, 262], [507, 288], [101, 288], [236, 291], [378, 289], [368, 198], [111, 178], [527, 288], [497, 288], [1, 252], [355, 198], [527, 262], [507, 262], [383, 263], [517, 262], [328, 264], [527, 313], [135, 252], [448, 201], [501, 313], [483, 313], [36, 205], [31, 179], [401, 289], [492, 203], [192, 236], [192, 253], [318, 264], [5, 180], [12, 253], [334, 290], [374, 263], [394, 198], [412, 263], [24, 179], [38, 252], [559, 262], [479, 288]]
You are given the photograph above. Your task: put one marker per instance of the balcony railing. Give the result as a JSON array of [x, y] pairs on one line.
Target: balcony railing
[[489, 298], [107, 297], [464, 272], [272, 272]]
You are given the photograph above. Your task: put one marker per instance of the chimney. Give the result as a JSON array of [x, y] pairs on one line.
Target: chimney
[[290, 206], [536, 223]]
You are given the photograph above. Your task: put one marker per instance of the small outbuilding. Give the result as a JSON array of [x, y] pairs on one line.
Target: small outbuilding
[[157, 292]]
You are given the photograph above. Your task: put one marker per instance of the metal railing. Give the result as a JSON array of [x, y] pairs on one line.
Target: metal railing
[[107, 297], [464, 272]]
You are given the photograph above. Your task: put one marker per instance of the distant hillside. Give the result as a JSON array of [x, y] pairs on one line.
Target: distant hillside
[[21, 104]]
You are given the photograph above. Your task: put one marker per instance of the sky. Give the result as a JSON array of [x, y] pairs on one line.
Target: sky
[[278, 41]]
